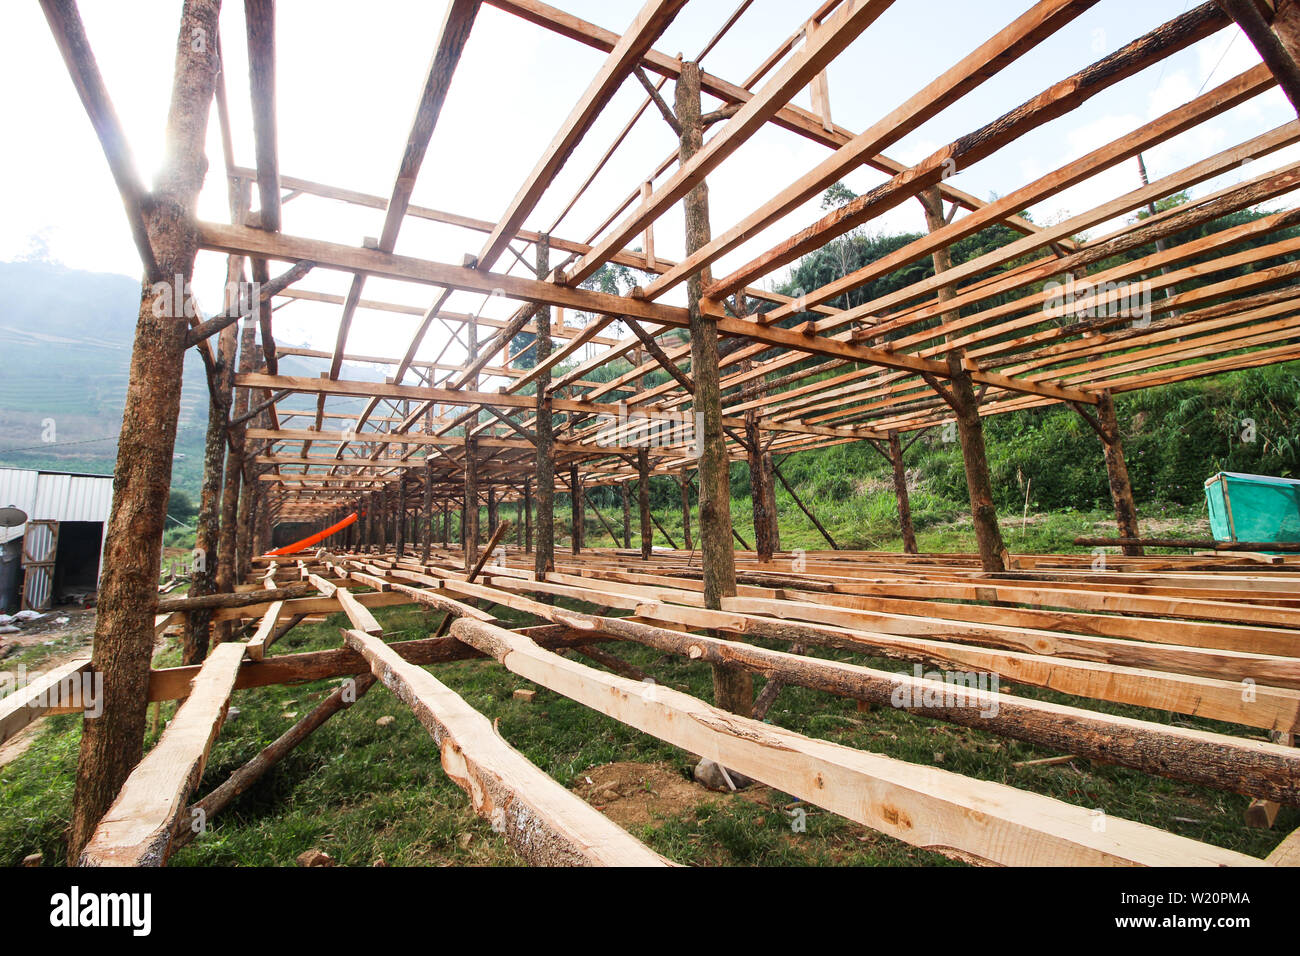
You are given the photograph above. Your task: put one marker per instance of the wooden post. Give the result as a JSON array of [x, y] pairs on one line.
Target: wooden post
[[528, 515], [970, 429], [1121, 489], [381, 519], [932, 202], [758, 493], [769, 490], [372, 521], [900, 492], [685, 483], [446, 526], [471, 512], [492, 510], [207, 535], [247, 490], [626, 493], [643, 501], [577, 509], [112, 743], [733, 688], [544, 560], [399, 535], [428, 508]]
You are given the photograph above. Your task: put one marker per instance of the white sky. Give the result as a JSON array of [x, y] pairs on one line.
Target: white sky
[[350, 74]]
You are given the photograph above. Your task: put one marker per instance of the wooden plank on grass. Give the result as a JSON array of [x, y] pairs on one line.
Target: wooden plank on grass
[[38, 697], [924, 806], [137, 829], [544, 822]]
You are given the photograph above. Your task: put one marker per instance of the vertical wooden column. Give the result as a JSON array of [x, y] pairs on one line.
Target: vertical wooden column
[[544, 559], [715, 494], [1121, 489], [758, 495], [427, 510], [970, 429], [685, 482], [769, 491], [733, 689], [900, 492], [367, 509], [113, 742], [262, 540], [446, 526], [207, 535], [528, 516], [643, 501], [381, 519], [249, 482], [932, 202], [471, 511], [399, 536], [577, 509], [625, 493], [493, 510]]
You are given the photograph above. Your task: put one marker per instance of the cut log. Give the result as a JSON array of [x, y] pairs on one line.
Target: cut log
[[545, 823]]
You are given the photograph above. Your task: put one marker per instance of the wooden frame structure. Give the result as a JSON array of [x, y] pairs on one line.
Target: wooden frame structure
[[738, 374]]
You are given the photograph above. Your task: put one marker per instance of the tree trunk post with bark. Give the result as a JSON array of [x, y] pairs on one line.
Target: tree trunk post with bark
[[528, 516], [207, 536], [758, 491], [643, 501], [577, 509], [471, 512], [900, 492], [970, 429], [544, 560], [399, 536], [113, 742], [1121, 489], [685, 482], [733, 688], [625, 493], [427, 510]]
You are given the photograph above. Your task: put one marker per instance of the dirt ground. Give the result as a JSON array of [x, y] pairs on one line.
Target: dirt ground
[[633, 794]]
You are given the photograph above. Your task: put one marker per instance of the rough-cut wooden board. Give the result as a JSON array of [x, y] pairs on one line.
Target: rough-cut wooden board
[[361, 618], [544, 822], [26, 704], [1271, 708], [1286, 853], [922, 806], [137, 829], [265, 631]]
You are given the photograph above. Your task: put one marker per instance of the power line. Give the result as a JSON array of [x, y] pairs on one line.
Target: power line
[[53, 444]]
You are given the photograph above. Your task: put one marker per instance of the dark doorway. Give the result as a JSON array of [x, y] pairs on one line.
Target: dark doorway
[[76, 568]]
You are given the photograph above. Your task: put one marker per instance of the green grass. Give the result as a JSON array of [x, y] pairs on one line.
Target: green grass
[[363, 792]]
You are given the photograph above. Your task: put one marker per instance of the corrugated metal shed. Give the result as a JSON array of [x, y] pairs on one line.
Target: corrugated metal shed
[[54, 496]]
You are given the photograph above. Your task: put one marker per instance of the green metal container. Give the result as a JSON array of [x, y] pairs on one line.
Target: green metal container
[[1253, 507]]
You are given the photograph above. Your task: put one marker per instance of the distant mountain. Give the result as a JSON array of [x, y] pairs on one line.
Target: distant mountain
[[65, 352]]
